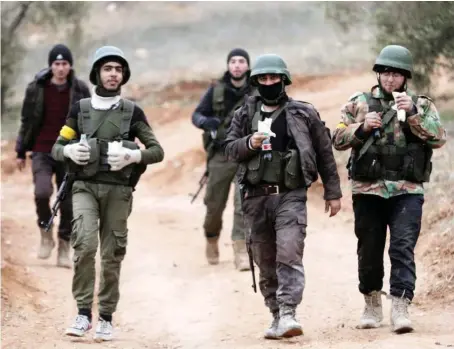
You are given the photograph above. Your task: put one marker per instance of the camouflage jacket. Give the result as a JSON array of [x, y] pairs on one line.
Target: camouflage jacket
[[425, 124]]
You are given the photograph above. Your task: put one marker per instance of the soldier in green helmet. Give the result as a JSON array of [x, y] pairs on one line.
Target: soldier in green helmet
[[107, 166], [277, 166], [391, 131]]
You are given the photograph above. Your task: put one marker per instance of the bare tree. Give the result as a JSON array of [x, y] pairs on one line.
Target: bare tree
[[47, 15], [424, 27]]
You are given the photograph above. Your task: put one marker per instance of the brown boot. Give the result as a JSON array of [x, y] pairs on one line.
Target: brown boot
[[241, 259], [212, 250], [63, 254], [47, 244]]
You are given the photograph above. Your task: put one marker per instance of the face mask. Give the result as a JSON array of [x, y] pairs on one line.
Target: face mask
[[271, 93]]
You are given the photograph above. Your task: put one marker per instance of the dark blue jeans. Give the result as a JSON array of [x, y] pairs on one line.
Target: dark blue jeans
[[373, 214]]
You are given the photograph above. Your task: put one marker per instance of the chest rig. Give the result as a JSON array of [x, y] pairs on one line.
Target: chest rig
[[284, 168], [102, 127], [386, 159]]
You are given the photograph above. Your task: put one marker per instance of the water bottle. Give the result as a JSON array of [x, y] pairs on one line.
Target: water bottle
[[267, 150], [83, 140]]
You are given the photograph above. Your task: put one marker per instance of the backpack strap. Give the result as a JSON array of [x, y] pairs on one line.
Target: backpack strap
[[83, 121], [374, 104], [128, 110], [218, 99], [258, 116]]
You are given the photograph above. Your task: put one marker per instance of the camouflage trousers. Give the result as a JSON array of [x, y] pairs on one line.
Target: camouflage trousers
[[276, 228], [111, 205], [221, 175]]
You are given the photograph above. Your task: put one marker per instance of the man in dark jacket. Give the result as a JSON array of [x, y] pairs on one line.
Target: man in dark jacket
[[213, 115], [46, 104], [274, 175]]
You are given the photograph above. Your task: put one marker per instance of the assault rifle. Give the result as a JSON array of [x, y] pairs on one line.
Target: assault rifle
[[204, 179], [65, 187]]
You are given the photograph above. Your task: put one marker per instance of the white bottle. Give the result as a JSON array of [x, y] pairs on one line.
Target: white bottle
[[83, 140]]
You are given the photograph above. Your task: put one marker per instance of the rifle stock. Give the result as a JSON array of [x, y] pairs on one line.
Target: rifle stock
[[248, 243], [202, 183]]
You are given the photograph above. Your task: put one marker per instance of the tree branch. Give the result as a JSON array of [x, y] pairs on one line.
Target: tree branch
[[19, 18]]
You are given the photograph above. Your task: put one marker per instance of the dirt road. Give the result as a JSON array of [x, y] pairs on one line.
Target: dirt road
[[170, 297]]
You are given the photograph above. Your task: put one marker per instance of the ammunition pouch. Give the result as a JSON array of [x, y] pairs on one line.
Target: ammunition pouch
[[93, 166], [293, 173], [255, 169], [284, 168], [392, 163], [129, 175]]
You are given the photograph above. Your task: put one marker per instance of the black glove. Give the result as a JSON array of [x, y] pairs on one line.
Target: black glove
[[211, 123]]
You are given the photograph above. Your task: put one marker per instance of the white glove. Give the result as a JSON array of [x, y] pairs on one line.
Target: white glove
[[121, 157], [77, 152]]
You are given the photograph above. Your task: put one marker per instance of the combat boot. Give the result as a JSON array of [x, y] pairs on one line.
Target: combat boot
[[400, 320], [288, 326], [373, 311], [271, 332], [63, 254], [47, 244], [212, 250], [240, 255]]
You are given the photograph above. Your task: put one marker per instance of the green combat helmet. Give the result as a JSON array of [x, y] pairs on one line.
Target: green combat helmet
[[270, 64], [109, 51], [394, 56]]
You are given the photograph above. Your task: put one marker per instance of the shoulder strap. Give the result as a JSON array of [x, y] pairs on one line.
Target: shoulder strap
[[128, 109], [83, 121], [218, 99], [274, 115], [228, 119], [373, 103]]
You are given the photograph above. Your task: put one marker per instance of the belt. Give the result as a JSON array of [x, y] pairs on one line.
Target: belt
[[265, 190]]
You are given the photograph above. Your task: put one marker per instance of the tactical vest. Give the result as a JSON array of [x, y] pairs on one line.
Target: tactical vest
[[390, 161], [102, 127], [284, 167], [226, 116]]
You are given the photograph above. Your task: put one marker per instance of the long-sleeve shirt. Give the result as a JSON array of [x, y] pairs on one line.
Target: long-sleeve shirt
[[424, 123]]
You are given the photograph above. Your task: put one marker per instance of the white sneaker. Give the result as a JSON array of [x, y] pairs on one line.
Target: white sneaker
[[104, 331], [81, 326]]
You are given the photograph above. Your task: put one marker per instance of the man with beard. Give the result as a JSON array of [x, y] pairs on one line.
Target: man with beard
[[391, 138], [47, 101], [275, 176], [213, 115], [107, 167]]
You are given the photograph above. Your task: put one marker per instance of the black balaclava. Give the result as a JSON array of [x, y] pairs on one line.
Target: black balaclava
[[272, 94]]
